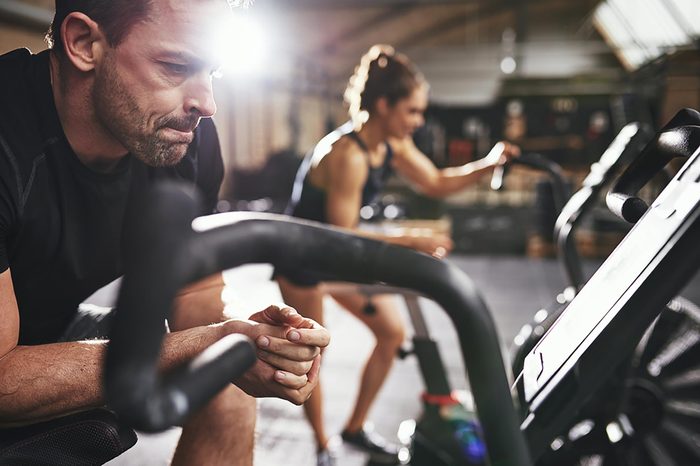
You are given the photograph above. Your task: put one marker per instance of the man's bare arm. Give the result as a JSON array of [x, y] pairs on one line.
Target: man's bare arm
[[44, 381]]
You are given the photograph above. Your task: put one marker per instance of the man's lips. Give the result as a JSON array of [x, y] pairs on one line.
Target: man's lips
[[179, 135]]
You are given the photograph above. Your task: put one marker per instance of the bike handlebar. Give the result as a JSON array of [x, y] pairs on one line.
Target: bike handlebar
[[540, 163], [679, 138], [628, 143], [228, 240], [159, 244]]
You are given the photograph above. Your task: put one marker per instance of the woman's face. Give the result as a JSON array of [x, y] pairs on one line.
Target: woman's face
[[406, 115]]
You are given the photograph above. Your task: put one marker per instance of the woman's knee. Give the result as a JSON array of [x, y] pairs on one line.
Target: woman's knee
[[391, 334], [308, 301]]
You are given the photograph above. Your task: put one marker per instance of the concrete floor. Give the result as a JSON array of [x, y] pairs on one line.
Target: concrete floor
[[513, 287]]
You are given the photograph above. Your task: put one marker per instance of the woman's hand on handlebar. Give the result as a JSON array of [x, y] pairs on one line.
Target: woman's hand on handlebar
[[437, 245], [501, 153]]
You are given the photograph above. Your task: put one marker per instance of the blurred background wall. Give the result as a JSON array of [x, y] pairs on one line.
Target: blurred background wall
[[558, 77]]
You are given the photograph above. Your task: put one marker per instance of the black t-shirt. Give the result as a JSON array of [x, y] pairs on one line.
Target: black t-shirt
[[60, 222]]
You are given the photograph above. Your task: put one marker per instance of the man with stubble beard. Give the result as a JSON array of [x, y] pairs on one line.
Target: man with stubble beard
[[122, 97]]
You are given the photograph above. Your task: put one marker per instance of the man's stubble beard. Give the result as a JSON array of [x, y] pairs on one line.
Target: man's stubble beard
[[120, 114]]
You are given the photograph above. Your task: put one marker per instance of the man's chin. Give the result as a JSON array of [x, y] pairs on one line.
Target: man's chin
[[173, 158], [167, 158]]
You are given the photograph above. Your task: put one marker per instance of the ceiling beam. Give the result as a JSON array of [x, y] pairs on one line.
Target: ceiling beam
[[16, 12], [455, 21], [329, 4], [390, 14]]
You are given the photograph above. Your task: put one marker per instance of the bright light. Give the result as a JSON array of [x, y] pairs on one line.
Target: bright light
[[238, 43], [581, 429], [508, 65], [540, 316], [391, 212], [556, 444], [614, 432], [641, 30], [406, 430], [366, 212]]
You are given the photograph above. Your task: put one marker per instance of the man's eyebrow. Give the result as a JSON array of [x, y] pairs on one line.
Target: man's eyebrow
[[177, 55], [187, 58]]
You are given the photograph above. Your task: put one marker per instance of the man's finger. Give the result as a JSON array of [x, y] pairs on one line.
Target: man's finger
[[290, 380], [283, 348], [318, 336], [312, 375], [285, 364], [280, 315]]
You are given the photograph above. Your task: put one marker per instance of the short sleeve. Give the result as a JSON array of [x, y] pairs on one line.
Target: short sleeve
[[8, 202]]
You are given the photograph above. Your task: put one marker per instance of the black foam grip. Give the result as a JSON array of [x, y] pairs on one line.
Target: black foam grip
[[679, 138]]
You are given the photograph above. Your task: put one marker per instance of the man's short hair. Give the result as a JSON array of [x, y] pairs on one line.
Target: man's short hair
[[115, 17]]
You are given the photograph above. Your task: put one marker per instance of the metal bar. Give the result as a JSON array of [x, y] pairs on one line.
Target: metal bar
[[390, 14], [420, 327], [327, 4], [461, 20]]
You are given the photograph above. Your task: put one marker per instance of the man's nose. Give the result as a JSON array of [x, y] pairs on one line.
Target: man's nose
[[200, 96]]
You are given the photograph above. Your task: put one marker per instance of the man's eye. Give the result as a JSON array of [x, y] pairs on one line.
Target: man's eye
[[176, 68]]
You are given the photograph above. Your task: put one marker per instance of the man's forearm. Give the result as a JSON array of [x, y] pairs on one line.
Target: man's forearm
[[45, 381]]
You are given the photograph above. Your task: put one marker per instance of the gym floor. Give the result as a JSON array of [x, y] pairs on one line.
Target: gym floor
[[513, 287]]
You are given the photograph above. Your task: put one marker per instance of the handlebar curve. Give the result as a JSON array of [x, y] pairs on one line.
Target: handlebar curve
[[228, 240], [280, 241], [540, 163], [629, 142], [158, 236], [677, 139]]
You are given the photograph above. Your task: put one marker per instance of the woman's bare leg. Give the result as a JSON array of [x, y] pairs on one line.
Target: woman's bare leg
[[386, 325], [308, 301]]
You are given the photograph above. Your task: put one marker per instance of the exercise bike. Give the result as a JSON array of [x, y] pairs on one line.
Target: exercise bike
[[672, 335], [570, 371], [447, 428]]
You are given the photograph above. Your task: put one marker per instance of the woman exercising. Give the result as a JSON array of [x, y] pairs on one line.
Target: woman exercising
[[346, 170]]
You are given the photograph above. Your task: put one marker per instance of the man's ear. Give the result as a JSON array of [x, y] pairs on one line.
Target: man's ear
[[83, 40]]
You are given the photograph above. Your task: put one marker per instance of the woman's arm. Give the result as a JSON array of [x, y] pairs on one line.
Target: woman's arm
[[346, 175], [415, 166]]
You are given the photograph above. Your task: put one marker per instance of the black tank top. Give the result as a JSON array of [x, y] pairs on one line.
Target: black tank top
[[309, 202]]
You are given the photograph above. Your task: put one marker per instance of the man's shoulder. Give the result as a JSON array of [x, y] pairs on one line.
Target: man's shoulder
[[17, 54], [21, 112], [13, 67], [13, 57]]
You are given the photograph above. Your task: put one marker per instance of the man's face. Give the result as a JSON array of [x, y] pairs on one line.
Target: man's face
[[406, 115], [152, 89]]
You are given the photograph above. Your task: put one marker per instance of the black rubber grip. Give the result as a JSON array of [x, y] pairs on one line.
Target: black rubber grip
[[157, 237], [679, 138]]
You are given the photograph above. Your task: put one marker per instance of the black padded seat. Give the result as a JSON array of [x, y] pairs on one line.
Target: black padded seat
[[86, 438]]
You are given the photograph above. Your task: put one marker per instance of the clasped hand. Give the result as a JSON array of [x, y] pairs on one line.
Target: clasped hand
[[289, 353]]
